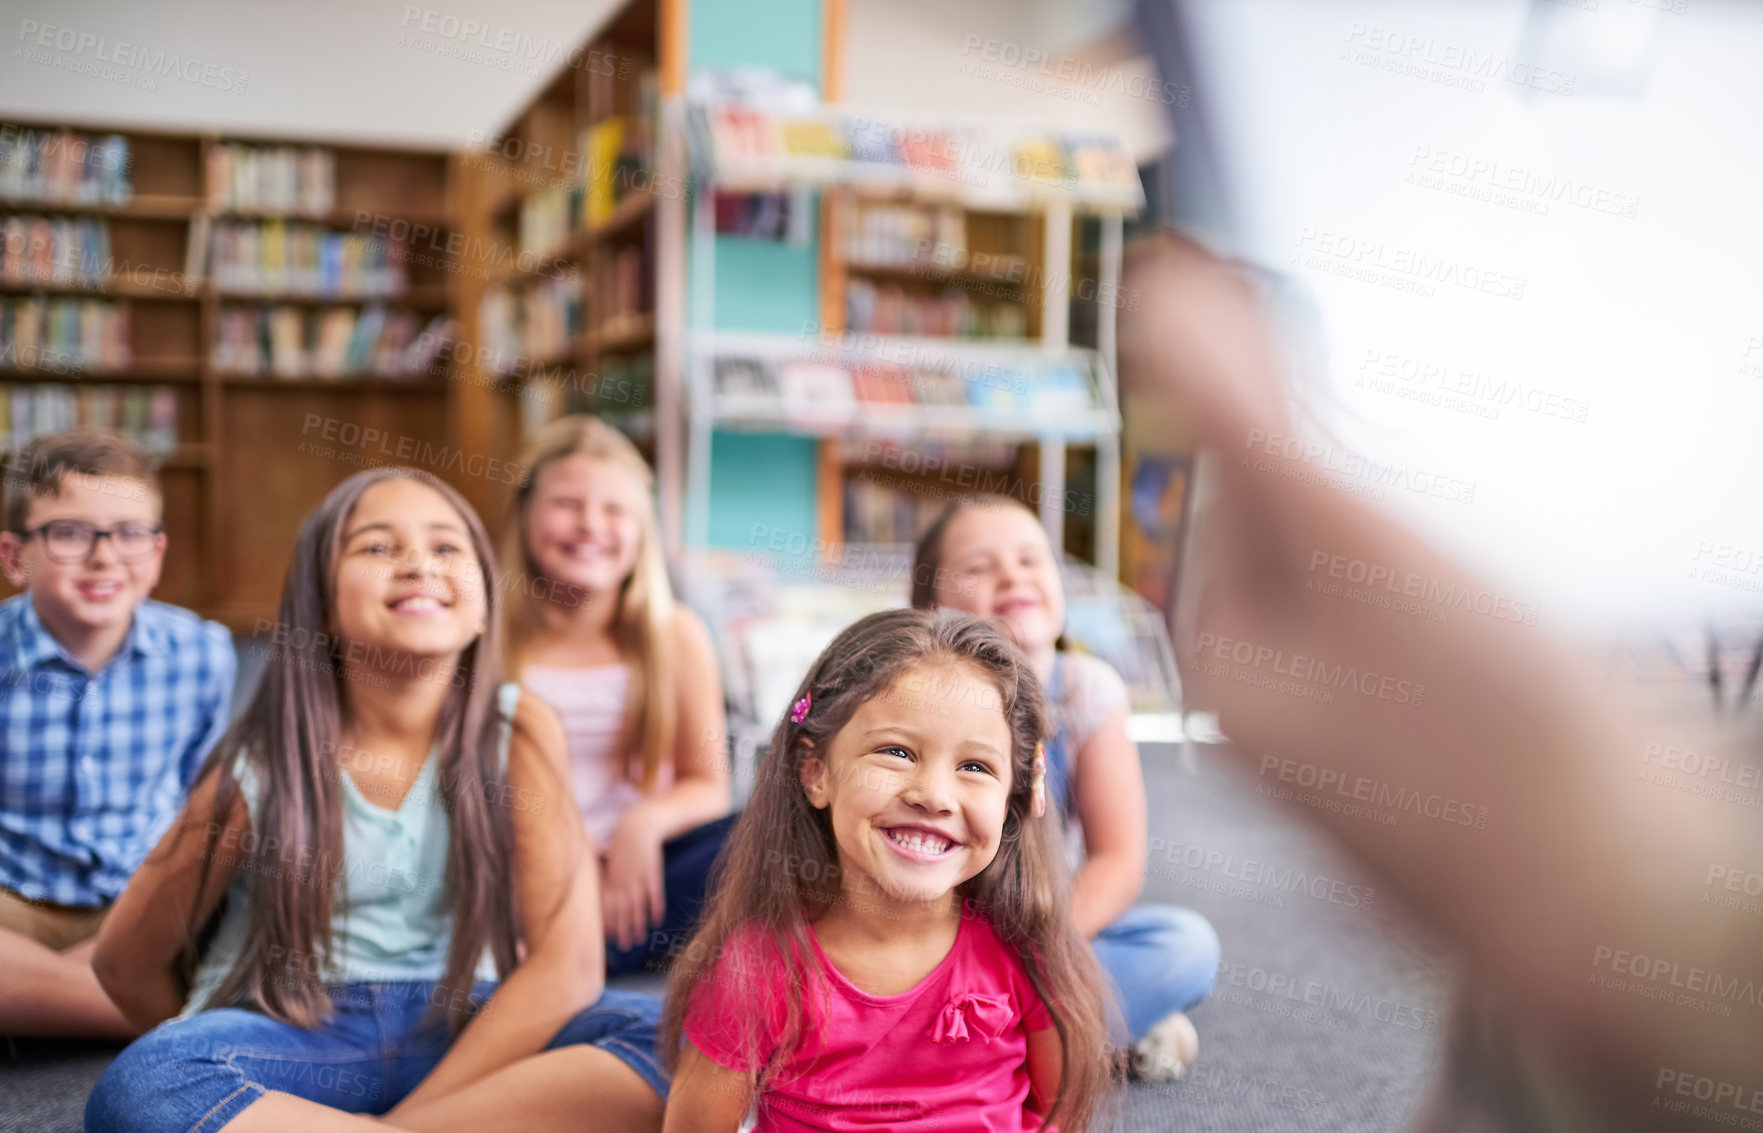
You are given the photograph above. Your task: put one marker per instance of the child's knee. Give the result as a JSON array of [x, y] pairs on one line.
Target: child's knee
[[1188, 939], [155, 1066]]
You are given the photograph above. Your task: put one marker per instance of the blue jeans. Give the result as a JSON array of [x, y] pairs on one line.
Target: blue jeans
[[1161, 960], [685, 876], [199, 1073]]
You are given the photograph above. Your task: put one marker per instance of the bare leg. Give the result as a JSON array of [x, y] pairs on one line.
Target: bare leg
[[276, 1112], [569, 1088], [54, 994]]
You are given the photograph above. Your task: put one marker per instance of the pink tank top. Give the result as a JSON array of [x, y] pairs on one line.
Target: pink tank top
[[590, 703]]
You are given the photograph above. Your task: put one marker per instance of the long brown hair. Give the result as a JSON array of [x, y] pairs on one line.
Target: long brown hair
[[643, 623], [288, 733], [780, 868]]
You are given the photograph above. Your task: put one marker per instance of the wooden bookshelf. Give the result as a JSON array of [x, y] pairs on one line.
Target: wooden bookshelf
[[926, 264], [544, 152], [251, 456]]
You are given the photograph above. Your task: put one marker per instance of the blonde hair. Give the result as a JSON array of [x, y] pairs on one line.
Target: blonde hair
[[643, 623]]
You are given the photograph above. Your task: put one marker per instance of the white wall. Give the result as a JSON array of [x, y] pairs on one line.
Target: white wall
[[1035, 61], [337, 69]]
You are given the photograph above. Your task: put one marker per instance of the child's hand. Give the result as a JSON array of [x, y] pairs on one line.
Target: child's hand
[[633, 899]]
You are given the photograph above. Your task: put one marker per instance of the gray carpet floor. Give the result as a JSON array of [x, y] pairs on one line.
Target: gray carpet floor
[[1328, 1016]]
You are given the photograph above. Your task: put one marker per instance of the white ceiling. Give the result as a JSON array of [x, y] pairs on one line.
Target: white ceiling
[[347, 69]]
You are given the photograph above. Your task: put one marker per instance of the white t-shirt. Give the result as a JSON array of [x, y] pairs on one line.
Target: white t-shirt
[[590, 705], [1090, 693]]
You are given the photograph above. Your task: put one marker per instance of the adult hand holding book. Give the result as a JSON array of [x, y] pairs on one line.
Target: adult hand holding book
[[1577, 891]]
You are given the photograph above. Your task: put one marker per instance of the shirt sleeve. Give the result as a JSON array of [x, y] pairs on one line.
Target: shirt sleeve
[[737, 1008], [1093, 693], [220, 668]]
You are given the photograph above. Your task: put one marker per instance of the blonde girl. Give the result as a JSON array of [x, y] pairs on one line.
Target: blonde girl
[[594, 630]]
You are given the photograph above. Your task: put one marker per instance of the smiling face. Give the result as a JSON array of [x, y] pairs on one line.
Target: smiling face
[[100, 592], [917, 785], [995, 562], [585, 522], [408, 580]]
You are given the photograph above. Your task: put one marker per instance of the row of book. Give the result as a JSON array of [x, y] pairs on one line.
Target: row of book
[[545, 218], [537, 323], [273, 257], [905, 234], [980, 453], [620, 389], [59, 166], [149, 414], [614, 167], [621, 285], [813, 389], [63, 335], [887, 308], [883, 512], [617, 151], [272, 179], [337, 342], [40, 249], [839, 145]]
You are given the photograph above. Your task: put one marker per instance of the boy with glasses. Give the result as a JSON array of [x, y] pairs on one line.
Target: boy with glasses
[[108, 704]]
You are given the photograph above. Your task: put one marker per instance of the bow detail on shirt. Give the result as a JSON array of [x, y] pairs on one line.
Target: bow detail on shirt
[[988, 1016]]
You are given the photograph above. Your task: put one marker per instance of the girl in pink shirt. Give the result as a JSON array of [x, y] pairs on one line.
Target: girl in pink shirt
[[889, 944]]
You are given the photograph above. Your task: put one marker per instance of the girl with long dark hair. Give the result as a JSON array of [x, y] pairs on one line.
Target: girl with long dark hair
[[376, 900]]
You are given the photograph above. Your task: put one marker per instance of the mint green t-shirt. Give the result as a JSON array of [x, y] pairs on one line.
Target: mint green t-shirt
[[393, 914]]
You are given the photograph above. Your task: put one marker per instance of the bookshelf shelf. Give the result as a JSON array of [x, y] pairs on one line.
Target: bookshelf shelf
[[626, 215], [622, 334], [422, 298], [433, 387], [170, 289], [151, 373], [339, 217], [1014, 276], [144, 207]]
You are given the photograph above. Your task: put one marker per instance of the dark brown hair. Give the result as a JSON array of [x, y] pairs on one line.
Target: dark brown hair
[[291, 731], [780, 868], [37, 471]]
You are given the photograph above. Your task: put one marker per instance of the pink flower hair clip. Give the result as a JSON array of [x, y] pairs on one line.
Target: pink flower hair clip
[[799, 710], [1037, 795]]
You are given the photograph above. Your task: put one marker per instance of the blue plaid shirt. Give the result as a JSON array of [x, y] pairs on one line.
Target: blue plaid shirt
[[94, 766]]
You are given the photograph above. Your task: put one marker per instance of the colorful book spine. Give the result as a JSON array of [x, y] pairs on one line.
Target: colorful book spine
[[278, 258], [291, 180], [149, 414], [63, 167], [63, 335], [58, 250], [338, 342]]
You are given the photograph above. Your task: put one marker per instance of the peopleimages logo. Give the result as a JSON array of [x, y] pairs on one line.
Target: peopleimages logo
[[1314, 670], [1363, 789], [135, 60]]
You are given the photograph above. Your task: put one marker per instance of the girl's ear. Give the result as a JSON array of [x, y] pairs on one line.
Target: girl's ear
[[814, 777]]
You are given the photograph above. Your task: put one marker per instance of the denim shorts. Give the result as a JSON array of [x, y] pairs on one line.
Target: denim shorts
[[198, 1073]]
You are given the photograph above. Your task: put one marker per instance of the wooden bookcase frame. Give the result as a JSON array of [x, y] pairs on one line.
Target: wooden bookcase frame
[[243, 474]]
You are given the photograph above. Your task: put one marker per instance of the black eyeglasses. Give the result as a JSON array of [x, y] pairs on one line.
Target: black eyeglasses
[[68, 541]]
